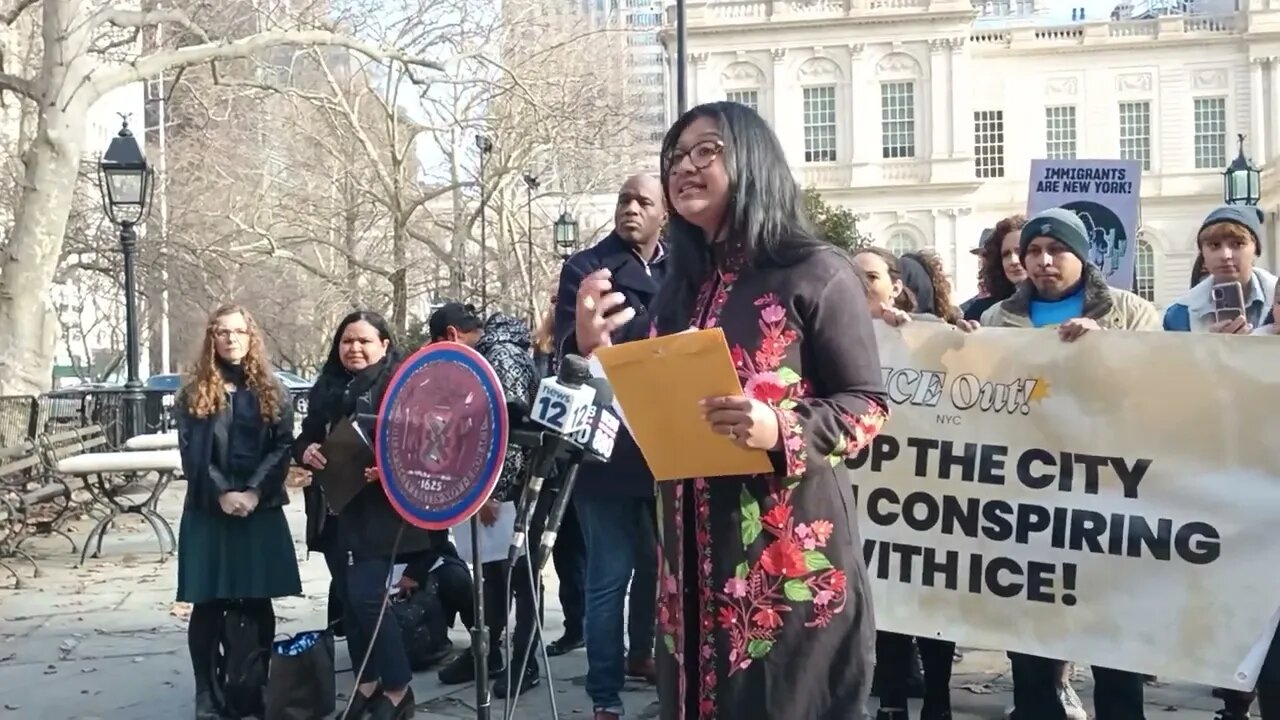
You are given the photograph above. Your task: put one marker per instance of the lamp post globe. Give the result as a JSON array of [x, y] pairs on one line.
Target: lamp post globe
[[126, 182], [566, 234], [1242, 180]]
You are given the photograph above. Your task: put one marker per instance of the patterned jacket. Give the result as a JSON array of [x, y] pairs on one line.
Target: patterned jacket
[[507, 345]]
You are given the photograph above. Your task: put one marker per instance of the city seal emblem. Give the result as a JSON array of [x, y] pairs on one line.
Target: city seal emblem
[[441, 435]]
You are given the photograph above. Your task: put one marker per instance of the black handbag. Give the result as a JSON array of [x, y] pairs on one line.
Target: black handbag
[[242, 664], [424, 628], [301, 684]]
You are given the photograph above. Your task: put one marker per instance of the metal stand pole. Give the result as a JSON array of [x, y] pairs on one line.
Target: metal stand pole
[[479, 629], [133, 400], [533, 320], [484, 244]]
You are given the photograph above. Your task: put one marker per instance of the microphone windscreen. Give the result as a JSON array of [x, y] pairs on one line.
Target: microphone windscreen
[[604, 393], [575, 371]]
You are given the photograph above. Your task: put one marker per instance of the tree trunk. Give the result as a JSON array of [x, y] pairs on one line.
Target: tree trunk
[[399, 276], [28, 324]]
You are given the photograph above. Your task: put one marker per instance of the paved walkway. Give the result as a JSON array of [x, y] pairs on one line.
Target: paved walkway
[[106, 642]]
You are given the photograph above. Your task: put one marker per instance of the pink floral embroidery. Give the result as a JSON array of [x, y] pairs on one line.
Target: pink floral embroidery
[[792, 569], [706, 601]]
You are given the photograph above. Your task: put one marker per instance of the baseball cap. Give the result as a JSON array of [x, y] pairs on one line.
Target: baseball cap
[[465, 318]]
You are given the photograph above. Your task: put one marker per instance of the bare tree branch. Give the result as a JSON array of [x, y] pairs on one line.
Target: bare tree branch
[[161, 60], [10, 16], [18, 85]]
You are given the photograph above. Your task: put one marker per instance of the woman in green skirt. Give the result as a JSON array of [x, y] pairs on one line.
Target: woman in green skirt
[[235, 430]]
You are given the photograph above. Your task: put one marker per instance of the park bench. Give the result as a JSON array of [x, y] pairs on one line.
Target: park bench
[[112, 477], [33, 503]]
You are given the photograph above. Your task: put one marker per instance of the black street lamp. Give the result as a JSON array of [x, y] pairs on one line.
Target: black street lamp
[[682, 64], [530, 184], [566, 234], [1241, 181], [125, 181], [485, 146]]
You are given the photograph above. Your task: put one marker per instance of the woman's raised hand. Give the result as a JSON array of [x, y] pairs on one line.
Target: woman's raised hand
[[594, 323]]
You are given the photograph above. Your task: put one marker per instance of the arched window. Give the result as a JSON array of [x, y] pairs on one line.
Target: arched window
[[901, 243], [1144, 271]]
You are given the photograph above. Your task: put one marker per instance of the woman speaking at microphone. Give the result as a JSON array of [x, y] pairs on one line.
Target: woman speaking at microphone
[[362, 360], [764, 606]]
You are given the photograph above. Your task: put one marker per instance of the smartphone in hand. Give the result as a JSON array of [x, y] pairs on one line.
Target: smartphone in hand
[[1228, 301]]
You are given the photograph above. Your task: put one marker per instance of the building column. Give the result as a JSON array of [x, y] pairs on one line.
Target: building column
[[788, 110], [1258, 126], [858, 124], [961, 102], [938, 116], [698, 93], [1273, 108]]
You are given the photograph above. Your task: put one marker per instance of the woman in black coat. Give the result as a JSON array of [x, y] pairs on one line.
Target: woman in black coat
[[360, 543], [235, 428]]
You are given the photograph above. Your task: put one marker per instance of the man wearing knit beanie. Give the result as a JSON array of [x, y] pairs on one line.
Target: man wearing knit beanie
[[1230, 242], [1054, 247], [1062, 288], [1065, 291]]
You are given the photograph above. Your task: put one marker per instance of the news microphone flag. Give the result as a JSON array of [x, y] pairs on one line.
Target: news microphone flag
[[563, 401], [442, 435]]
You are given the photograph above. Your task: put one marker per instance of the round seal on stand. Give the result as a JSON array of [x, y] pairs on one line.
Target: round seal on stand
[[442, 435]]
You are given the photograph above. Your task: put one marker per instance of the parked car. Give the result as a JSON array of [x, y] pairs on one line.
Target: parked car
[[296, 386]]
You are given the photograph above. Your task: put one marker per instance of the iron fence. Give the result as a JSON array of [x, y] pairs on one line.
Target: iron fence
[[25, 417]]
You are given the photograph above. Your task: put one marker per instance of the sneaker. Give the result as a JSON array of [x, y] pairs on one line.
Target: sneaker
[[504, 685], [565, 645]]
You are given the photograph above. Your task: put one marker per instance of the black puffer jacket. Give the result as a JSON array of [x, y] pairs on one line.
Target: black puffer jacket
[[506, 344]]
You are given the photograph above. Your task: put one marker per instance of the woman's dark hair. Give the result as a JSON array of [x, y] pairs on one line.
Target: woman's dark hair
[[942, 306], [906, 300], [1198, 270], [764, 218], [333, 367], [994, 280]]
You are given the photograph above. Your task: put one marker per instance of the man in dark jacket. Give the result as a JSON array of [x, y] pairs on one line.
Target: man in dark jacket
[[505, 342], [615, 501]]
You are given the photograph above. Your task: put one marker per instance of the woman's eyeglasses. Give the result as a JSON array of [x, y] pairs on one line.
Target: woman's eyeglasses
[[225, 334], [700, 155]]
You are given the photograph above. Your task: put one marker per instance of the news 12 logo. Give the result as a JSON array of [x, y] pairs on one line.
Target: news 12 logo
[[561, 409]]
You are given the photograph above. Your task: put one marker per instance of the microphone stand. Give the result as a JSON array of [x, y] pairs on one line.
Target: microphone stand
[[479, 628]]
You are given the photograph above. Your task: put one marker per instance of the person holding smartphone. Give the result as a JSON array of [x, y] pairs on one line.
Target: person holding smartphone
[[1235, 296]]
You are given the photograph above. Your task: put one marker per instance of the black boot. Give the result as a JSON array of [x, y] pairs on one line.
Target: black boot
[[892, 715], [202, 643], [383, 709], [206, 708], [360, 705]]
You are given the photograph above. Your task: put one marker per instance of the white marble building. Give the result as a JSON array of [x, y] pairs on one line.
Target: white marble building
[[923, 115]]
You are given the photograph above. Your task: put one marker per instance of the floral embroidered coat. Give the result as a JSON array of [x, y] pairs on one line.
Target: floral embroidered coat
[[764, 609]]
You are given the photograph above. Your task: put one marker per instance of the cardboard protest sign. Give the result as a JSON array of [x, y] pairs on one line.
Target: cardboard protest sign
[[1098, 501], [1105, 195]]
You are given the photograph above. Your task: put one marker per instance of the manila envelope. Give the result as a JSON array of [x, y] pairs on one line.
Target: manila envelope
[[659, 383]]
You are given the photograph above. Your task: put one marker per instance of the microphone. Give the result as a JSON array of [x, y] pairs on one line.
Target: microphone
[[596, 443], [561, 405], [597, 437], [562, 402]]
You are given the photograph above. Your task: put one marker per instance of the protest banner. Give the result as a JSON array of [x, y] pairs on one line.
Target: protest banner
[[1109, 501], [1105, 194]]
